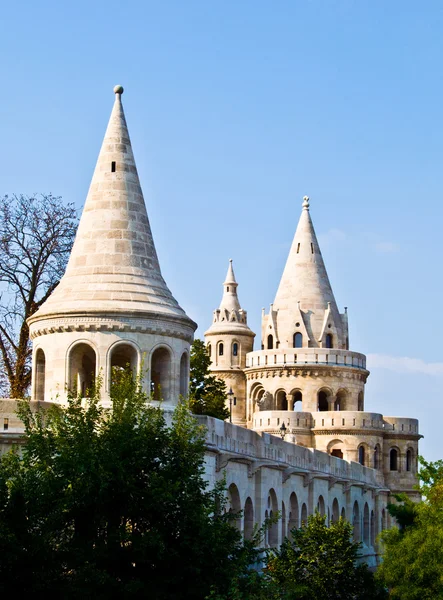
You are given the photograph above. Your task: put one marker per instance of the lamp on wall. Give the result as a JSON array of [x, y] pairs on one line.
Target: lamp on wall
[[283, 430]]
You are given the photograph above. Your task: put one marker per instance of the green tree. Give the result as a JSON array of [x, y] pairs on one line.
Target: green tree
[[207, 393], [412, 566], [112, 503], [320, 563]]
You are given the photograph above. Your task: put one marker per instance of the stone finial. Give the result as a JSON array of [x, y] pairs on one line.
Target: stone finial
[[118, 89], [306, 202]]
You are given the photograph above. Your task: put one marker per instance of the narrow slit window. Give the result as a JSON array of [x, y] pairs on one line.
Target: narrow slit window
[[298, 248], [113, 166], [5, 424], [312, 248]]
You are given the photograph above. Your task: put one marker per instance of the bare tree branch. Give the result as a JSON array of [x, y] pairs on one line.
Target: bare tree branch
[[36, 237]]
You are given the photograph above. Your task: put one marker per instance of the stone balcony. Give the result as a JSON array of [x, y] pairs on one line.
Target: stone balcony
[[301, 357]]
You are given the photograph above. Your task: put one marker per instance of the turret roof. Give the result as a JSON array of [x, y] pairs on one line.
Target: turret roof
[[113, 265]]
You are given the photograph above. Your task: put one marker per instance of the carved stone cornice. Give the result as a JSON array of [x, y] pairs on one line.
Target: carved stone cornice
[[155, 326], [324, 371]]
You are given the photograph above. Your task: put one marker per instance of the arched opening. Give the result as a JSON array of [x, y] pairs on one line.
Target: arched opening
[[341, 400], [304, 515], [366, 525], [209, 349], [377, 457], [82, 369], [270, 342], [293, 515], [40, 370], [123, 357], [161, 374], [393, 460], [184, 374], [298, 340], [235, 349], [361, 455], [281, 401], [221, 349], [335, 511], [273, 530], [321, 505], [356, 522], [322, 401], [283, 521], [298, 397], [234, 505], [249, 519], [360, 401], [343, 513], [335, 448], [409, 460], [329, 341], [372, 540]]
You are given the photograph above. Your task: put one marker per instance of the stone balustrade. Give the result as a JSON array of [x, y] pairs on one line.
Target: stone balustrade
[[283, 357]]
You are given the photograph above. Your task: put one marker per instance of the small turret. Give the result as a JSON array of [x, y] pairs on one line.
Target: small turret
[[228, 340]]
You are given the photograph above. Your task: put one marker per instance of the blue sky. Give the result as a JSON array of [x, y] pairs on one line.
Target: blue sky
[[236, 110]]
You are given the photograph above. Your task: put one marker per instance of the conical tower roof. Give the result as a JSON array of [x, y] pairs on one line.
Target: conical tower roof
[[113, 267], [305, 287], [230, 316]]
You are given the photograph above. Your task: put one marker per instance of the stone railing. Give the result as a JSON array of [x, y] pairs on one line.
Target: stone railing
[[283, 357], [272, 452]]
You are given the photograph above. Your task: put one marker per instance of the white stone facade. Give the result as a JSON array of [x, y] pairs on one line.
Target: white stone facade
[[113, 308]]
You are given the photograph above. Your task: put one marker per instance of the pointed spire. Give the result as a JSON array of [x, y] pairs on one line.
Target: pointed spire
[[114, 265], [230, 277], [305, 287], [230, 314]]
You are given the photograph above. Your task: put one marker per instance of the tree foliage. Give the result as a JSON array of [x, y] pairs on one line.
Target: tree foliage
[[207, 393], [112, 503], [36, 237], [412, 564], [320, 563]]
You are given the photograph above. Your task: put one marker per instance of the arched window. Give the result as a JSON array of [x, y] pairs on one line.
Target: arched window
[[298, 397], [393, 460], [281, 400], [293, 515], [249, 519], [209, 349], [82, 369], [235, 349], [322, 401], [335, 511], [356, 522], [234, 505], [361, 455], [184, 374], [123, 357], [304, 515], [298, 340], [40, 369], [329, 340], [377, 457], [366, 525], [321, 506], [270, 342], [161, 374], [409, 460], [273, 531], [220, 349]]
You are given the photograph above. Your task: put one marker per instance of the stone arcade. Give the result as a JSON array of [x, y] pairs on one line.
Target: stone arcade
[[113, 307]]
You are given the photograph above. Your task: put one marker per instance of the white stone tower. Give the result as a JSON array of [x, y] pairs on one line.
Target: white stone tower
[[228, 340], [112, 306]]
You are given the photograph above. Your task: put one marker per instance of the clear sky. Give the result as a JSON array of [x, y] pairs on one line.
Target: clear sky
[[236, 110]]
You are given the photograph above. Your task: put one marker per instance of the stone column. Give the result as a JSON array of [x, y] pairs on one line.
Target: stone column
[[290, 399]]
